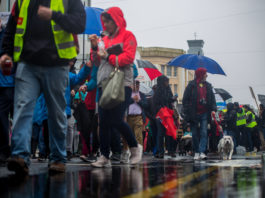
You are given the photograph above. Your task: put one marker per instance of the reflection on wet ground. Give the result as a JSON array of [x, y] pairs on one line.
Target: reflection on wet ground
[[152, 178]]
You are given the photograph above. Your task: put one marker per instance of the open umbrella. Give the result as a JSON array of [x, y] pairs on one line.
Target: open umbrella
[[147, 70], [145, 89], [193, 61], [223, 93], [93, 22]]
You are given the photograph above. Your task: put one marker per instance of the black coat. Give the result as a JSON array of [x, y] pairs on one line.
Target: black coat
[[190, 101]]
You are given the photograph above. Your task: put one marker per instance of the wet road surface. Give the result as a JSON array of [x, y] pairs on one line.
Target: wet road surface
[[152, 178]]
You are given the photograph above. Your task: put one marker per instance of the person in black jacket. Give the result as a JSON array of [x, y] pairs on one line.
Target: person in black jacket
[[39, 37], [198, 103], [229, 122], [163, 97]]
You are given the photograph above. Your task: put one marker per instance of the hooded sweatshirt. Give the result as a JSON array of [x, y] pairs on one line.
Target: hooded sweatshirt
[[128, 43]]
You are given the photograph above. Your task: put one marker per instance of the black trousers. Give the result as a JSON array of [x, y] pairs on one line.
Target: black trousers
[[85, 119], [6, 109]]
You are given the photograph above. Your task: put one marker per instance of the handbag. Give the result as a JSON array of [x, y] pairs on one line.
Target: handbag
[[113, 92]]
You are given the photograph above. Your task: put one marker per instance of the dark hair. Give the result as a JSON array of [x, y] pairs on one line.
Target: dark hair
[[107, 16]]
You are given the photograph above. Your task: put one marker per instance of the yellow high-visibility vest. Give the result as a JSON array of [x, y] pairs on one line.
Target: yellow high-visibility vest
[[253, 122], [64, 41], [241, 118]]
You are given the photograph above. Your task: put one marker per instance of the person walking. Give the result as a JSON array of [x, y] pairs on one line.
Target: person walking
[[163, 97], [241, 135], [39, 37], [198, 104], [229, 123], [114, 24]]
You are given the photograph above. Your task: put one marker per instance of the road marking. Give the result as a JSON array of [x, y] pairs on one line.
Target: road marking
[[199, 188], [156, 190]]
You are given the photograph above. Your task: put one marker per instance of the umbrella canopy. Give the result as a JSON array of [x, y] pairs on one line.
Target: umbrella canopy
[[93, 22], [193, 61], [223, 93], [145, 89], [147, 69]]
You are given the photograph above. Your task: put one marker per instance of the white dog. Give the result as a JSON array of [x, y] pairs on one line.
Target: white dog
[[226, 147]]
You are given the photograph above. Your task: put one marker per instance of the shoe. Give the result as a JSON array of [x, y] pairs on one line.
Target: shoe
[[57, 167], [196, 156], [125, 156], [173, 155], [115, 158], [90, 158], [136, 154], [203, 156], [18, 165], [41, 159], [101, 162]]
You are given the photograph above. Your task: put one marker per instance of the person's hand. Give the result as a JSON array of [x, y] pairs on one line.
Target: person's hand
[[4, 58], [88, 64], [136, 98], [44, 13], [82, 88], [94, 40], [73, 93], [103, 54]]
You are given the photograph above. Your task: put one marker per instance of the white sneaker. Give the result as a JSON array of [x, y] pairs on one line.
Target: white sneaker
[[101, 162], [196, 156], [136, 154], [125, 156], [203, 156]]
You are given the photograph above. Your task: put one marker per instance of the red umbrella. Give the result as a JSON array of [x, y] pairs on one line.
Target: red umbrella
[[147, 70]]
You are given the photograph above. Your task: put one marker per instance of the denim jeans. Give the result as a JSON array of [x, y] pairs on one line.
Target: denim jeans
[[200, 138], [114, 118], [30, 81]]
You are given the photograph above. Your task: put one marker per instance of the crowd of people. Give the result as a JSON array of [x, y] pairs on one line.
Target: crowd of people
[[57, 110]]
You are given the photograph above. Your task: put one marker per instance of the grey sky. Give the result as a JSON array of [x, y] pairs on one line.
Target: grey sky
[[233, 31]]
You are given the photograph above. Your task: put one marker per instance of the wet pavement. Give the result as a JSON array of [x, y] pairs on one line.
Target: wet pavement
[[170, 177]]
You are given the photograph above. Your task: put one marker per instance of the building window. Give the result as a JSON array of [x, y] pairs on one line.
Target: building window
[[163, 69], [170, 85], [175, 89], [175, 71], [169, 73]]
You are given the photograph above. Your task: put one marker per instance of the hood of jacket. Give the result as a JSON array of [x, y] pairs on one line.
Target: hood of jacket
[[199, 73], [118, 17]]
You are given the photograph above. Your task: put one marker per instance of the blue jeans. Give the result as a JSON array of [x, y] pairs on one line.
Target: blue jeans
[[30, 81], [114, 118], [200, 138]]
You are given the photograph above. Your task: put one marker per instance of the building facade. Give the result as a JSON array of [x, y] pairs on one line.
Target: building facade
[[160, 56]]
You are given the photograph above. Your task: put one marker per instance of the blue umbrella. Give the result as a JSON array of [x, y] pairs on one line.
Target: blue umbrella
[[193, 61], [93, 22]]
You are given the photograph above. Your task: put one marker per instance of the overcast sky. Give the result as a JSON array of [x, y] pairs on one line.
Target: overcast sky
[[233, 32]]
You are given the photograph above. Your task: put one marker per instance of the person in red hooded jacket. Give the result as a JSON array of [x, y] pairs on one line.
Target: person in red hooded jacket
[[114, 25], [198, 103]]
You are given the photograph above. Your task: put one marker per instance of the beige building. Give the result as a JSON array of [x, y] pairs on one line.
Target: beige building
[[6, 5], [160, 56]]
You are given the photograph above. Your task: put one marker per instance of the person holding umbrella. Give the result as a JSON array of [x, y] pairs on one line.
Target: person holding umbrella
[[198, 104]]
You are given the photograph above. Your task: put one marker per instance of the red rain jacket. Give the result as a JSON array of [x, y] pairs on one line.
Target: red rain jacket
[[122, 36]]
